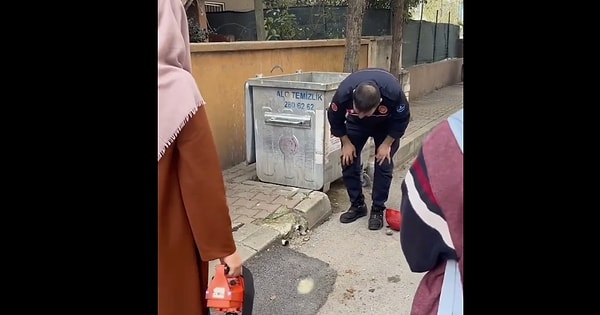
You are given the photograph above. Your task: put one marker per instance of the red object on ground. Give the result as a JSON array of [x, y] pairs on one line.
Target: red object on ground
[[393, 218]]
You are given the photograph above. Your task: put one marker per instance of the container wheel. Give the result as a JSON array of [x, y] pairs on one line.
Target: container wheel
[[365, 179]]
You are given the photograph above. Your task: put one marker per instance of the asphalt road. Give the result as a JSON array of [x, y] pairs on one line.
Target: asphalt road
[[337, 268], [289, 282]]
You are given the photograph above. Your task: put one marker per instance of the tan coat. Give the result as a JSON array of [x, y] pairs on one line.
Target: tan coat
[[194, 226]]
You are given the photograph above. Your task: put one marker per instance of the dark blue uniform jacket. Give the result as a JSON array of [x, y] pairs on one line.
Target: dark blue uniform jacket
[[392, 115]]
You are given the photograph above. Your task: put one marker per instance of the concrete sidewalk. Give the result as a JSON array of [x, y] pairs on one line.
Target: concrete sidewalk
[[262, 213]]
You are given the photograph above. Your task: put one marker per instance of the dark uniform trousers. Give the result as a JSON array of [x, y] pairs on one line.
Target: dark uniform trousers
[[358, 135]]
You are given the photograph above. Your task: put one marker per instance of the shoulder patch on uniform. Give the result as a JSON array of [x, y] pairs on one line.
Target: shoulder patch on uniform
[[334, 107], [401, 108], [382, 109]]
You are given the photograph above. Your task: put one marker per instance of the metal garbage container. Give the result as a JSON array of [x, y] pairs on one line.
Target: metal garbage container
[[293, 145]]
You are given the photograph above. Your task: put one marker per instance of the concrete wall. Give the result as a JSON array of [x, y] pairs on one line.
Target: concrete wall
[[420, 79], [221, 70], [426, 78], [380, 51], [238, 5]]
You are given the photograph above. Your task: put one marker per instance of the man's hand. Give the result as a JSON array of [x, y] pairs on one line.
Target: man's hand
[[384, 150], [383, 153], [348, 153]]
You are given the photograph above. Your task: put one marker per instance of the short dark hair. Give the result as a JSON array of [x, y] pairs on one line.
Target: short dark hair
[[366, 96]]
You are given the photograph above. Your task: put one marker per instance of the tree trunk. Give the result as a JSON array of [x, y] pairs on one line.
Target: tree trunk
[[354, 21], [202, 19], [259, 18], [397, 23]]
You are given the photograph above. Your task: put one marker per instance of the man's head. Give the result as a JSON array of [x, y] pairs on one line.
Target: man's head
[[366, 97]]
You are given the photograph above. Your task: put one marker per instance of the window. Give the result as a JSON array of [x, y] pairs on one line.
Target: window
[[214, 6]]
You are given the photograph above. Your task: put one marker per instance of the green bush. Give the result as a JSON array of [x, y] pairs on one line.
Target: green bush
[[197, 34]]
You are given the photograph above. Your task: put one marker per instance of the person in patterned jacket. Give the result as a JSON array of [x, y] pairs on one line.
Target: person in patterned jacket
[[431, 235]]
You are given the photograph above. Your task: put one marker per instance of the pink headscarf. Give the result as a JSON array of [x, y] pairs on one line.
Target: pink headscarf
[[178, 94]]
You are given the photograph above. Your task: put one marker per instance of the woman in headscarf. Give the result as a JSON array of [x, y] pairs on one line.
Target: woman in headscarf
[[194, 226], [431, 234]]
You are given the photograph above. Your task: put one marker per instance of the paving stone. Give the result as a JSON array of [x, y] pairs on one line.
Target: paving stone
[[231, 200], [269, 207], [249, 212], [245, 203], [243, 194], [260, 184], [245, 231], [265, 197], [290, 202], [262, 214], [241, 178], [243, 219], [261, 238], [245, 252], [316, 208]]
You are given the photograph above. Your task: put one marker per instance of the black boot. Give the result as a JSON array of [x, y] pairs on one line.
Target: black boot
[[376, 218], [353, 213]]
